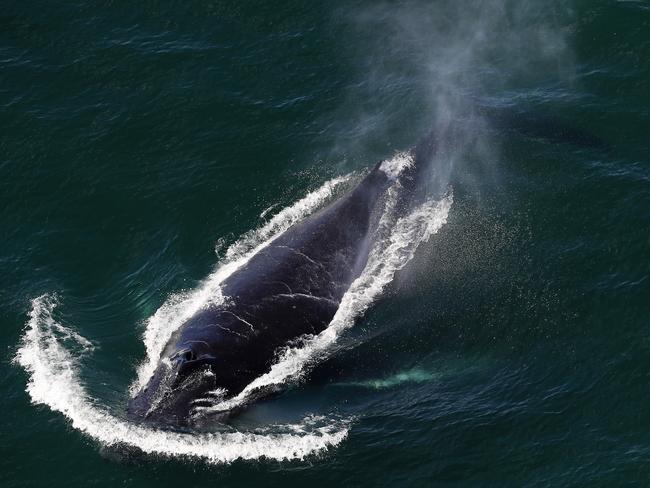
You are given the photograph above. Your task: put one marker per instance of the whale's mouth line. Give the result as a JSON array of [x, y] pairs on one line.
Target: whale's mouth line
[[52, 364]]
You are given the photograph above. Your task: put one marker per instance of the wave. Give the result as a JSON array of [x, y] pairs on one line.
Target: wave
[[181, 306], [51, 353], [395, 244], [54, 382]]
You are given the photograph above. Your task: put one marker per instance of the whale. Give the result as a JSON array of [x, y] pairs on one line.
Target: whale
[[289, 289]]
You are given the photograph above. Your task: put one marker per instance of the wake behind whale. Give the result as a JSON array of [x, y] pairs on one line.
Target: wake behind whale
[[288, 290], [53, 365]]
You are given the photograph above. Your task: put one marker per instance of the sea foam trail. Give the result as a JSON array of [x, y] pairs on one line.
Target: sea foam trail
[[389, 254], [54, 382], [180, 307], [49, 351]]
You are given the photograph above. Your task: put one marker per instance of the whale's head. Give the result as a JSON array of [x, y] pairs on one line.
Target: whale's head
[[190, 378]]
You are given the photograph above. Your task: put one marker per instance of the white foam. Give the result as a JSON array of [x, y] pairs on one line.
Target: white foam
[[393, 167], [180, 307], [268, 210], [389, 255], [50, 361], [53, 381]]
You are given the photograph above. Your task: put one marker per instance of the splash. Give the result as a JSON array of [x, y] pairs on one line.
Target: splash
[[54, 382], [51, 353], [398, 239], [180, 307], [393, 167]]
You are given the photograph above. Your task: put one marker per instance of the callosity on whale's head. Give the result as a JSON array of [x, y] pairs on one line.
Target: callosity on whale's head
[[189, 375]]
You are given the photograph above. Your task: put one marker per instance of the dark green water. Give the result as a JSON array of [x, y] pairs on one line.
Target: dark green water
[[513, 350]]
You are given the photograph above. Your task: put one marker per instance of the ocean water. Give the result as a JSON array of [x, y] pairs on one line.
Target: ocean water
[[499, 335]]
